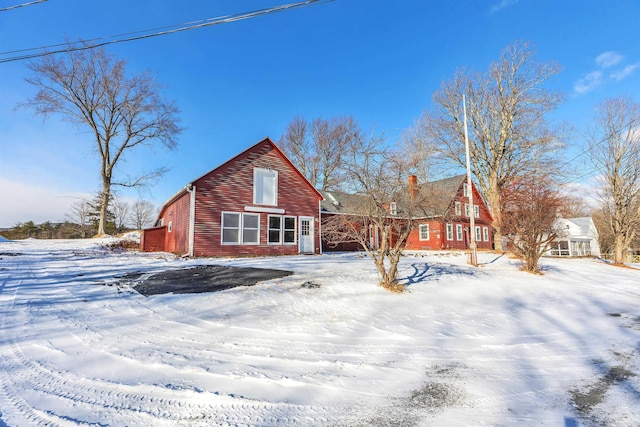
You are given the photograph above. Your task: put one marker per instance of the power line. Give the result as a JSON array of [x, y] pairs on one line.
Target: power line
[[103, 41], [31, 3]]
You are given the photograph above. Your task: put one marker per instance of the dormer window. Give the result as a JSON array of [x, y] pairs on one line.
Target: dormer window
[[265, 187]]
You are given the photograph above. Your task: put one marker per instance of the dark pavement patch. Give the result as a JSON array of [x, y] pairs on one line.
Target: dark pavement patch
[[208, 278]]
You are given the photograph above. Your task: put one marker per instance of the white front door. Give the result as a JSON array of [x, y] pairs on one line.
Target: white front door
[[306, 235]]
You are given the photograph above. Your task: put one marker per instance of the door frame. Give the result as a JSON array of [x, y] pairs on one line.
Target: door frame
[[312, 236]]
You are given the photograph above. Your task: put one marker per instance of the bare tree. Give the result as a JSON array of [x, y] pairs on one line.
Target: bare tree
[[121, 211], [376, 175], [317, 149], [90, 88], [615, 148], [508, 133], [142, 213], [80, 216], [529, 218]]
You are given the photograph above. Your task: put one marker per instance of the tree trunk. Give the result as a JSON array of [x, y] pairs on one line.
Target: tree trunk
[[104, 203], [619, 249], [493, 197]]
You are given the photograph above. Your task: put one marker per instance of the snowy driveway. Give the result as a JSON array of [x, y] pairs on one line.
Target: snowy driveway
[[487, 346]]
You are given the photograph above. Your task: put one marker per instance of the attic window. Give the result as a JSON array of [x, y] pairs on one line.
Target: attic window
[[265, 187], [465, 190], [393, 208]]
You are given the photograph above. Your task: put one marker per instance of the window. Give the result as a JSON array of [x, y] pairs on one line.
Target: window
[[393, 208], [424, 231], [238, 228], [230, 228], [289, 229], [466, 210], [250, 228], [459, 232], [281, 230], [465, 190], [478, 235], [485, 233], [170, 227], [449, 231], [458, 208], [476, 211], [265, 187]]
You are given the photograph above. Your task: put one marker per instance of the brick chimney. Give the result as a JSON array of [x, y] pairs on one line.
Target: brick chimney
[[413, 186]]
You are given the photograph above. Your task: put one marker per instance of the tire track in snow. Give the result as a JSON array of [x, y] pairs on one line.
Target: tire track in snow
[[110, 401]]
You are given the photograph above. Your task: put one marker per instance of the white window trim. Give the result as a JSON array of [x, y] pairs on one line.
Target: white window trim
[[467, 211], [269, 229], [393, 208], [422, 227], [450, 232], [458, 208], [170, 227], [465, 189], [459, 233], [282, 230], [222, 228], [240, 228], [485, 233], [295, 229], [258, 183], [478, 234], [476, 211]]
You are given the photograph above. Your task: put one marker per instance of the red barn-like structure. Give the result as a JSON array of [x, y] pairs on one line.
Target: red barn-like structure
[[257, 203]]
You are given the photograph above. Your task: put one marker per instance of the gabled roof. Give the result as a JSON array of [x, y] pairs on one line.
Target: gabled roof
[[435, 199], [439, 194], [266, 140]]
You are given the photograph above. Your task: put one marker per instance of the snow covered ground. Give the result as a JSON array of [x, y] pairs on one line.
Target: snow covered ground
[[464, 346]]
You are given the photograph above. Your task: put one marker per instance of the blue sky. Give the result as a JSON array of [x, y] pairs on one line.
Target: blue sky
[[378, 61]]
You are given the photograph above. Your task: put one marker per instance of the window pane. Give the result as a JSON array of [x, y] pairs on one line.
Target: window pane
[[230, 220], [289, 236], [274, 236], [249, 236], [274, 222], [251, 221], [230, 235], [289, 223]]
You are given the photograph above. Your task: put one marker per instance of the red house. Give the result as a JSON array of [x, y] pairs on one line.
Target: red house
[[447, 226], [257, 203], [443, 223]]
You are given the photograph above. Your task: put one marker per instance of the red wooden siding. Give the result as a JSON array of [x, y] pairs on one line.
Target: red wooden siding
[[152, 239], [177, 213], [438, 227], [229, 188]]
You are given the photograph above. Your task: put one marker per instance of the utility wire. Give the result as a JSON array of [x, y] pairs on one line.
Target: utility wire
[[97, 42], [31, 3]]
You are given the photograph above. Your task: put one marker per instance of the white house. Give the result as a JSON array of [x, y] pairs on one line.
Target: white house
[[578, 237]]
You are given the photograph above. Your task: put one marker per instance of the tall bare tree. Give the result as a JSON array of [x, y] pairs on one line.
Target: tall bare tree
[[615, 148], [90, 88], [508, 133], [317, 148], [142, 213]]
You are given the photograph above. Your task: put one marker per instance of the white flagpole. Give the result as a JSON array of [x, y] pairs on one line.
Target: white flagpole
[[473, 255]]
